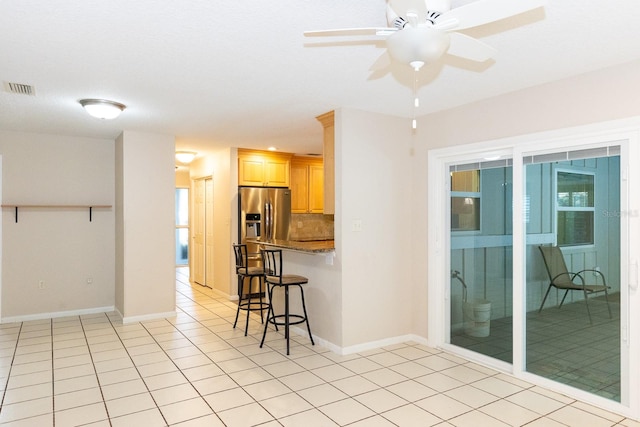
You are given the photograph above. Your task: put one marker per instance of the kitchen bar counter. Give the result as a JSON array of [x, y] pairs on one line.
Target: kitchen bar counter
[[309, 246]]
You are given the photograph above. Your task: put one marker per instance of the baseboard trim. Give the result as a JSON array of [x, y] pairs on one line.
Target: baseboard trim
[[372, 345], [147, 317], [358, 348], [57, 314]]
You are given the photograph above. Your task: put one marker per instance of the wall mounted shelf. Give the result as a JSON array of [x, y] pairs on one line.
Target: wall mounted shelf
[[26, 206]]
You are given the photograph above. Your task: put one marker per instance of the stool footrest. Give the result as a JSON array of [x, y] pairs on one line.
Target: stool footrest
[[274, 320], [255, 306]]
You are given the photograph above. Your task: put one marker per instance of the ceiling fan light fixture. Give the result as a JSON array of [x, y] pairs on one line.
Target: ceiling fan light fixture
[[185, 157], [102, 108], [418, 46]]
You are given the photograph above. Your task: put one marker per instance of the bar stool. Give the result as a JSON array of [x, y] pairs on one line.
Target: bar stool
[[243, 271], [272, 261]]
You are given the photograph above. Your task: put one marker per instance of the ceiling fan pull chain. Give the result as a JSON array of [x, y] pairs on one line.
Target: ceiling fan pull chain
[[416, 100]]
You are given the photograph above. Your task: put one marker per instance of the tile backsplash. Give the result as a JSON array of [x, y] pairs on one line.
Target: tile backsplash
[[311, 226]]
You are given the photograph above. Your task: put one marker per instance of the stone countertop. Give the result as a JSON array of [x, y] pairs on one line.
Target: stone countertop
[[309, 246]]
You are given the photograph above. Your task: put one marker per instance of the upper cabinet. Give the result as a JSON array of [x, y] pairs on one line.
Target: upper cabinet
[[263, 169], [327, 121], [307, 185]]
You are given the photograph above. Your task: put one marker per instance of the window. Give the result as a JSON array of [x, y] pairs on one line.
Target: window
[[182, 226], [465, 200], [574, 208]]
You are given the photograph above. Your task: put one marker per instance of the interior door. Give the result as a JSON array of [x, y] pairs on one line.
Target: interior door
[[199, 230], [208, 240]]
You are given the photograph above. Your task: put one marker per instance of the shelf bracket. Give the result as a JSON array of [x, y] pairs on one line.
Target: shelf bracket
[[28, 206]]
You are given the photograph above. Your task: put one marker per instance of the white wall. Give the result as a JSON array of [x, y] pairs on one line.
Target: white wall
[[145, 225], [598, 96], [374, 186], [220, 166], [323, 295], [58, 246]]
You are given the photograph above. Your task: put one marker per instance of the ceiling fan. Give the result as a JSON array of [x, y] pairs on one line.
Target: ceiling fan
[[421, 31]]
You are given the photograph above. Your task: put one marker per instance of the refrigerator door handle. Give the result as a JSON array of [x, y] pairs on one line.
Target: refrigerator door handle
[[270, 221], [267, 221]]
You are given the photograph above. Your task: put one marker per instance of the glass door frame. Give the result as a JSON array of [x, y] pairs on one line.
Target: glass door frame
[[626, 134]]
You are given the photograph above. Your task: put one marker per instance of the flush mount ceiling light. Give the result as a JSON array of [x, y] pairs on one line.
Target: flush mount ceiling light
[[102, 108], [185, 157]]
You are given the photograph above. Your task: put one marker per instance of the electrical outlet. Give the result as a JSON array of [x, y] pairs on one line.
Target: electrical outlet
[[356, 225], [89, 281], [300, 224], [41, 284]]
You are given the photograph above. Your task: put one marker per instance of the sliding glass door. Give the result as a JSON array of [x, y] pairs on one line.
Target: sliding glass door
[[573, 269], [532, 267], [481, 258]]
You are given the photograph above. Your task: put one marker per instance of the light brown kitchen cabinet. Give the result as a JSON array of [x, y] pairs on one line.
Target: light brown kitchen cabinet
[[307, 185], [263, 169], [327, 121], [316, 188]]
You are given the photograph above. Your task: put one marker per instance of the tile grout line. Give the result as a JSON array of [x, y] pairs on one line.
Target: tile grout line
[[53, 380], [13, 358], [95, 372]]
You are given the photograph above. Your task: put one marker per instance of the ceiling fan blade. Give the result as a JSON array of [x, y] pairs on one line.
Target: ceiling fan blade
[[371, 31], [470, 48], [484, 11]]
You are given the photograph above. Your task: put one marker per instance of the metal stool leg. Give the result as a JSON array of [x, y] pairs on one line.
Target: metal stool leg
[[306, 318], [240, 286], [286, 315], [261, 291], [270, 315], [246, 326]]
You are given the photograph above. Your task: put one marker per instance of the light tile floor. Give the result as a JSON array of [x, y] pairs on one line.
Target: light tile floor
[[196, 370]]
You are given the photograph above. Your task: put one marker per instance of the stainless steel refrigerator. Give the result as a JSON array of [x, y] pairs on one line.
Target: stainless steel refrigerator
[[265, 214]]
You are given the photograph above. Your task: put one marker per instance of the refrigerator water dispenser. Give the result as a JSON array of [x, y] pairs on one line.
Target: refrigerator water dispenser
[[252, 221]]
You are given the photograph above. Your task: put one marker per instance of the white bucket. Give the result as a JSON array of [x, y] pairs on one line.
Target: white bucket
[[477, 317]]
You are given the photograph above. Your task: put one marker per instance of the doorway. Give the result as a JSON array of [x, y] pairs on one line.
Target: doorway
[[182, 227], [202, 262], [487, 278]]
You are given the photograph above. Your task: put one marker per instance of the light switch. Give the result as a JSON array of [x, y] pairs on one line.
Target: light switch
[[356, 225]]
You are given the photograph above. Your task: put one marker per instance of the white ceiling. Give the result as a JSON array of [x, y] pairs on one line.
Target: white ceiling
[[240, 73]]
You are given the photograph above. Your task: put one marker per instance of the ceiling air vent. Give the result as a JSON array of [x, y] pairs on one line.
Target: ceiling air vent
[[19, 88]]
